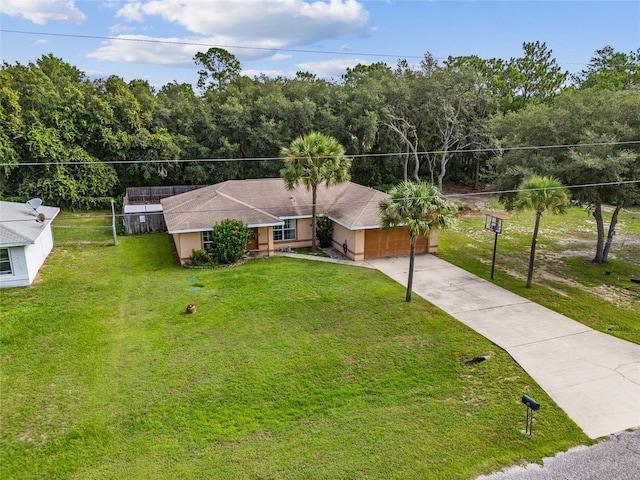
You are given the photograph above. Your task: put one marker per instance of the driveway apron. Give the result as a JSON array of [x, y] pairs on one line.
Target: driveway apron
[[592, 376]]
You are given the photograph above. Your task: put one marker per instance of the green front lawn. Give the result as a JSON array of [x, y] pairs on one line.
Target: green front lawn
[[289, 369]]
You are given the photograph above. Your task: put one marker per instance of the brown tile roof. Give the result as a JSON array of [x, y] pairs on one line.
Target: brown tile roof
[[266, 201]]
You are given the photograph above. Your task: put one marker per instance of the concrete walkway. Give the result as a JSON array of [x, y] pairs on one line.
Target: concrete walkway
[[592, 376]]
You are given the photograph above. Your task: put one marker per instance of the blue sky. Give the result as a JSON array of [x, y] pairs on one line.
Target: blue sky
[[324, 37]]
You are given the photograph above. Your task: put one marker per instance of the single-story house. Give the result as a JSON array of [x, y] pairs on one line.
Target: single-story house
[[26, 240], [281, 218]]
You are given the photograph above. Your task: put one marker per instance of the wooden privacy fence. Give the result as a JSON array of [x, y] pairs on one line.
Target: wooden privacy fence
[[153, 195], [143, 222], [142, 211]]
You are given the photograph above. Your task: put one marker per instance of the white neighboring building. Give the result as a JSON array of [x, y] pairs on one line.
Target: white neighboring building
[[25, 242]]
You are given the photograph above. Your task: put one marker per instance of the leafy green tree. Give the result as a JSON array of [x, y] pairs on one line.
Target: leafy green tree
[[533, 78], [536, 76], [609, 165], [611, 70], [230, 238], [419, 207], [252, 120], [45, 118], [458, 109], [145, 94], [363, 91], [493, 74], [185, 117], [10, 126], [312, 160], [598, 122], [313, 105], [540, 194], [218, 65]]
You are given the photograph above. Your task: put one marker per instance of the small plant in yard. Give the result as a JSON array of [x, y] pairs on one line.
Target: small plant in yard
[[199, 258], [229, 240], [324, 227]]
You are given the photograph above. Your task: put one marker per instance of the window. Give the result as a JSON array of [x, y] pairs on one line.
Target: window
[[5, 262], [207, 240], [286, 231]]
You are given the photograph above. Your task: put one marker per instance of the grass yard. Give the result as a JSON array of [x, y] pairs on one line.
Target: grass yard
[[565, 280], [289, 369]]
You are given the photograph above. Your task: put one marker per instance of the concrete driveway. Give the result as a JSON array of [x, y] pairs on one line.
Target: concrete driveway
[[592, 376]]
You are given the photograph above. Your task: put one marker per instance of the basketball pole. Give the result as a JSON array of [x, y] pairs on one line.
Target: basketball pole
[[493, 263]]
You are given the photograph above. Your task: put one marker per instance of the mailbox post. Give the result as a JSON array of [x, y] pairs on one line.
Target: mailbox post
[[493, 224], [532, 406]]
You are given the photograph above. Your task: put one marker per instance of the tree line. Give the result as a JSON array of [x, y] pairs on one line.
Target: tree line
[[448, 122]]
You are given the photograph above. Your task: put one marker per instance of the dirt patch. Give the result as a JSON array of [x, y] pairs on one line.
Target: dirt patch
[[542, 276], [467, 197]]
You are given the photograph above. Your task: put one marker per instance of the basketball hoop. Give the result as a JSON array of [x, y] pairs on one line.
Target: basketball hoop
[[493, 223]]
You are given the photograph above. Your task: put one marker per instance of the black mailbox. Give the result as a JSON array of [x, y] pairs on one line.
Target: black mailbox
[[531, 403]]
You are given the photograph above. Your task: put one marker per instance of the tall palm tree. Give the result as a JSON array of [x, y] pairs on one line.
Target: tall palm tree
[[314, 159], [419, 207], [541, 194]]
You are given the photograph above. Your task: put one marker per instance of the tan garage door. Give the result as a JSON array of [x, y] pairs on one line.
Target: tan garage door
[[379, 243]]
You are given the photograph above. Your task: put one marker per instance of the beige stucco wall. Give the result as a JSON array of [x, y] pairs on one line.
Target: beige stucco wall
[[304, 232], [353, 238], [263, 239], [303, 236], [186, 243]]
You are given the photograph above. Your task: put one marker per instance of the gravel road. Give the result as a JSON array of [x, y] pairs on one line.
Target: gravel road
[[617, 458]]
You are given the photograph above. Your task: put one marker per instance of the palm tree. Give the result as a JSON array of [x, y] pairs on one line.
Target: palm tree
[[419, 207], [542, 194], [311, 160]]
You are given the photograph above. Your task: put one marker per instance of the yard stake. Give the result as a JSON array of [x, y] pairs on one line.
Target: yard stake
[[113, 223]]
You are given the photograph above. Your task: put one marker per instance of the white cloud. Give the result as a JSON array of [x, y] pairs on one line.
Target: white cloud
[[250, 29], [96, 74], [121, 29], [41, 42], [144, 49], [279, 56], [261, 23], [331, 68], [132, 12], [43, 11], [269, 73]]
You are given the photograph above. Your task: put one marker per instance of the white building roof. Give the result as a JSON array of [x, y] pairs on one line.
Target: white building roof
[[19, 225]]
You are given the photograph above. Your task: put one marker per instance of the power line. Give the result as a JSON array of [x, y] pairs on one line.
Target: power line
[[244, 47], [363, 155], [320, 205], [562, 187], [198, 44]]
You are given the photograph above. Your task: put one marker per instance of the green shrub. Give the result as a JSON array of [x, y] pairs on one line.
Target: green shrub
[[324, 231], [199, 258], [229, 240]]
